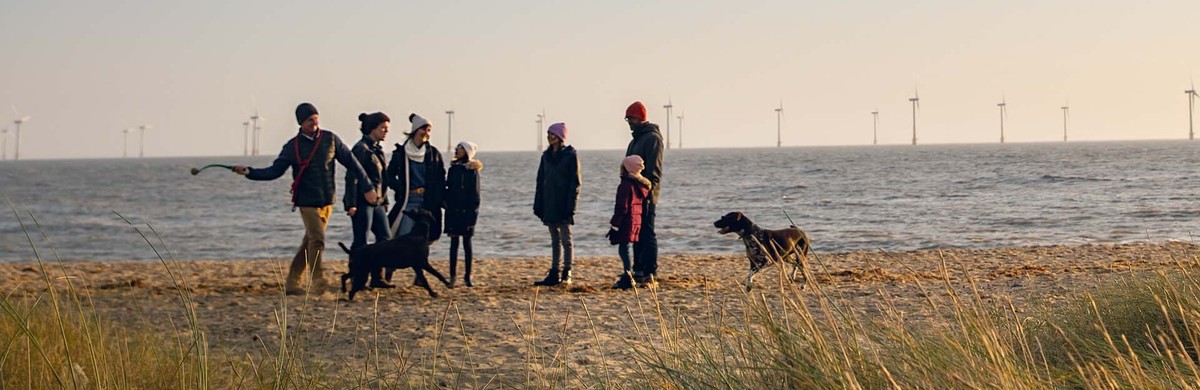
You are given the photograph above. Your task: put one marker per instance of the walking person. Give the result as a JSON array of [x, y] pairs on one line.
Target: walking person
[[646, 143], [627, 215], [462, 205], [555, 199], [369, 216], [310, 155]]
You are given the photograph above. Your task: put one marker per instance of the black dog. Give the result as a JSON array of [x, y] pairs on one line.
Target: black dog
[[408, 251], [765, 246]]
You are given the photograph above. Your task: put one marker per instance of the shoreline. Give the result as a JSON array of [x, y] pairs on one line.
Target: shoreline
[[493, 328]]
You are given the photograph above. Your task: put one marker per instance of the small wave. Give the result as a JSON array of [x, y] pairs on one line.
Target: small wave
[[1067, 179]]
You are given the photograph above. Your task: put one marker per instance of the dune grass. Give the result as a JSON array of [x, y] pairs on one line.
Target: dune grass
[[1138, 333]]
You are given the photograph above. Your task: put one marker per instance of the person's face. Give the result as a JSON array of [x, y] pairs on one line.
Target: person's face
[[459, 152], [554, 140], [311, 124], [421, 136], [380, 133], [633, 121]]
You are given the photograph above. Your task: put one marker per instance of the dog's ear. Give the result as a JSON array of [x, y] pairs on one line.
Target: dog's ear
[[738, 216]]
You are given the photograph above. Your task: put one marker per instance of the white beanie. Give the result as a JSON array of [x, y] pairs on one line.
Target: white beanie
[[470, 148], [418, 122]]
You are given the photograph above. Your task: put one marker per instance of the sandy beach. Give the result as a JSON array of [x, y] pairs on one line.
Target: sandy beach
[[503, 330]]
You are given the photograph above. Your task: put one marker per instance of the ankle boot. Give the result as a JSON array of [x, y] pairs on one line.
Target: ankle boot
[[624, 282], [566, 276], [550, 280]]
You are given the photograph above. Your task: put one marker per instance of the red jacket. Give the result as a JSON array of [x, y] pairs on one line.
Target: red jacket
[[627, 212]]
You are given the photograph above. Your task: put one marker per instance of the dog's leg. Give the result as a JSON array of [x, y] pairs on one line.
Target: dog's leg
[[750, 279], [421, 281], [438, 275]]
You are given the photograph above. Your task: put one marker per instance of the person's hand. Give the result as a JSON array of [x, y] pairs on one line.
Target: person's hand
[[351, 211], [371, 197], [241, 170]]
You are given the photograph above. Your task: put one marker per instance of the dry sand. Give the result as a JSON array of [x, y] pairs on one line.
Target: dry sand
[[504, 330]]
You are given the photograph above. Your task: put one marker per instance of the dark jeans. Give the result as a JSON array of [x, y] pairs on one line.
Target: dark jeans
[[466, 244], [562, 246], [623, 251], [374, 220], [645, 251]]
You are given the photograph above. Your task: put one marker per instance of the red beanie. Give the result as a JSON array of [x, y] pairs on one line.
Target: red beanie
[[636, 110]]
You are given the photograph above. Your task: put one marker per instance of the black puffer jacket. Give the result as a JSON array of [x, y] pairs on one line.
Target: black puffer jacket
[[647, 142], [558, 182], [370, 155], [316, 186], [462, 197]]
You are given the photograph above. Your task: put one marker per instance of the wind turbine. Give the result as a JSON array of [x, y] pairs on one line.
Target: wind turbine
[[1191, 107], [540, 130], [680, 117], [255, 118], [4, 144], [668, 106], [142, 146], [1003, 113], [916, 104], [125, 143], [450, 130], [875, 127], [245, 138], [1066, 114], [779, 125], [20, 119]]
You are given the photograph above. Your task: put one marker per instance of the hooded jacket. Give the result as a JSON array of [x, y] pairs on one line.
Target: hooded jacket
[[316, 185], [647, 142], [369, 154]]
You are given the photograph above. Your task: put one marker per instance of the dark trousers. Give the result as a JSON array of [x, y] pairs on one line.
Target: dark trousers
[[645, 251], [466, 244], [370, 219]]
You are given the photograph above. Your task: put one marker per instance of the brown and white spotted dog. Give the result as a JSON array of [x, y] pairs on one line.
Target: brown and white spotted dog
[[765, 246]]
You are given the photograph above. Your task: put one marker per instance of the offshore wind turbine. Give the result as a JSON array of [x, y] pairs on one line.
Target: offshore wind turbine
[[680, 117], [257, 131], [142, 143], [20, 119], [540, 117], [1066, 109], [875, 127], [916, 104], [125, 143], [1003, 113], [668, 106], [4, 144], [779, 125], [1191, 94], [245, 138], [450, 131]]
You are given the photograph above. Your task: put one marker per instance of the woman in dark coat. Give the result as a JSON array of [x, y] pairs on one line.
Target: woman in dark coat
[[554, 200], [462, 205], [417, 175]]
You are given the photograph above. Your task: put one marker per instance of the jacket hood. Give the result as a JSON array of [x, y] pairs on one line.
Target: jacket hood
[[645, 127]]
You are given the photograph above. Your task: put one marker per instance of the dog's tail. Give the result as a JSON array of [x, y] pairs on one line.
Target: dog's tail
[[344, 247]]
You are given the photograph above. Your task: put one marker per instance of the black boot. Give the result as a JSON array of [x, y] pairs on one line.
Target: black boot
[[566, 276], [550, 280], [624, 282]]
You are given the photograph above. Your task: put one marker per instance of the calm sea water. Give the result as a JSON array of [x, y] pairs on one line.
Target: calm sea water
[[847, 198]]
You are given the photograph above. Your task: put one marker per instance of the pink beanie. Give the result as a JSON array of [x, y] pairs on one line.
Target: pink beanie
[[633, 164], [559, 130]]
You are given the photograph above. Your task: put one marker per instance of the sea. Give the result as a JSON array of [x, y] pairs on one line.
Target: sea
[[895, 197]]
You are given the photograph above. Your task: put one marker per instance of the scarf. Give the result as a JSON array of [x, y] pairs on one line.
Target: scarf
[[414, 153]]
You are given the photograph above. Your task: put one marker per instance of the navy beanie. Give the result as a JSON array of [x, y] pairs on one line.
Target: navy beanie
[[305, 111], [371, 121]]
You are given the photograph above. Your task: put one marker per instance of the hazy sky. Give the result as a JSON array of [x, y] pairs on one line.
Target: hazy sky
[[194, 71]]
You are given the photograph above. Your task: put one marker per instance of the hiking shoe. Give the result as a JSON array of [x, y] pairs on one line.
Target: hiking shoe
[[624, 282], [566, 276], [648, 282], [550, 280]]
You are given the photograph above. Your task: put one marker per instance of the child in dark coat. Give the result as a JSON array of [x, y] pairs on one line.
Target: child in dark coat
[[627, 214], [462, 205]]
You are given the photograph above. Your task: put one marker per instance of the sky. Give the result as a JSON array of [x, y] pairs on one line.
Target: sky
[[195, 71]]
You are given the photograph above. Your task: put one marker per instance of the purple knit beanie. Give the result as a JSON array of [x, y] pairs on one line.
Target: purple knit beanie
[[559, 130]]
